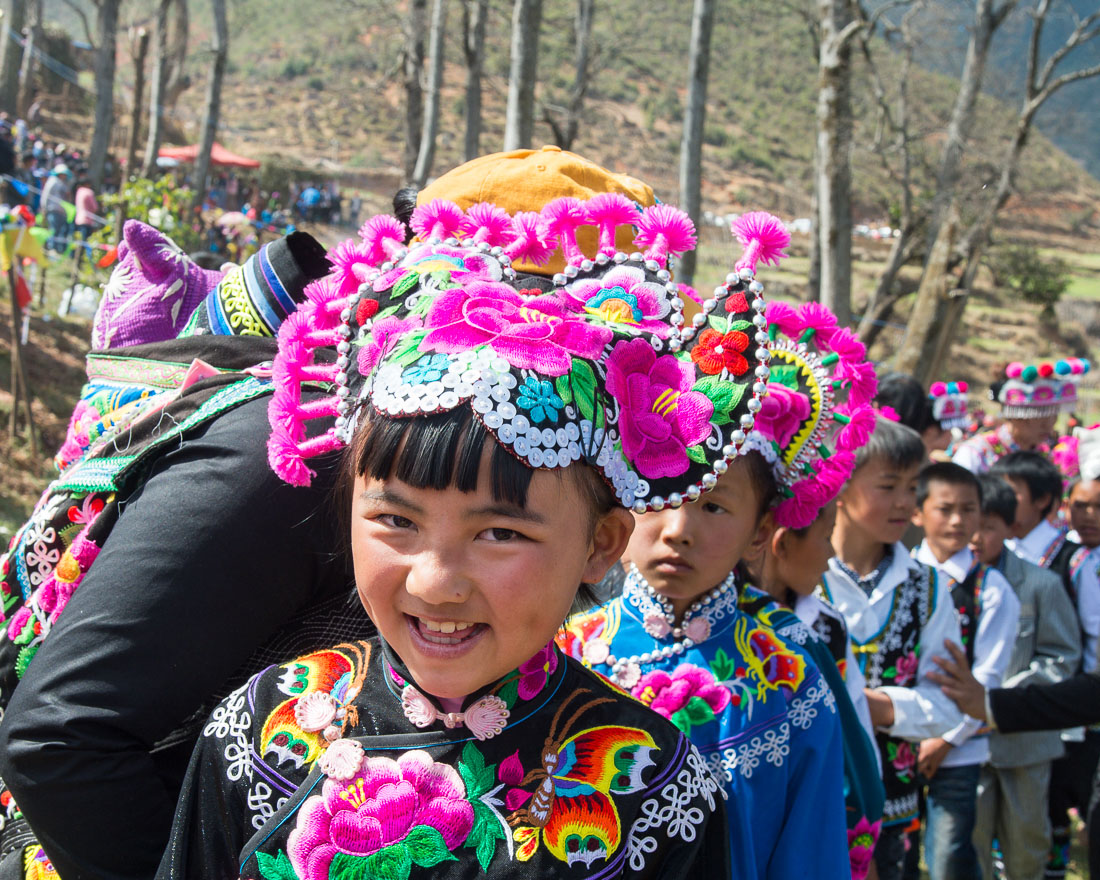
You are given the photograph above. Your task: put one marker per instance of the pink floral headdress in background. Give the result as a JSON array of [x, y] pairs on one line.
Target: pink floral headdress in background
[[596, 363], [817, 411]]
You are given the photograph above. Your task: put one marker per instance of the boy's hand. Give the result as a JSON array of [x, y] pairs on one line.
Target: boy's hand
[[881, 707], [931, 755], [958, 682]]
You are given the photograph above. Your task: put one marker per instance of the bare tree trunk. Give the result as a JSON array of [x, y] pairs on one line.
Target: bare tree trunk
[[435, 81], [565, 131], [474, 14], [919, 348], [11, 55], [883, 299], [519, 123], [695, 114], [833, 174], [813, 273], [30, 62], [176, 78], [413, 65], [140, 51], [156, 95], [107, 25], [213, 98]]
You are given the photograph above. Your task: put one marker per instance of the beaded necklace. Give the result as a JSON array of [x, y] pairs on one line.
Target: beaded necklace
[[659, 621]]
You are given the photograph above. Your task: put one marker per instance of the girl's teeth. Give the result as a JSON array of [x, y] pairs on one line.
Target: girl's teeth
[[447, 627]]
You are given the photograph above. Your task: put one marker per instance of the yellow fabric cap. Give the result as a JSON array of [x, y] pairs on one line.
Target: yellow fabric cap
[[526, 180]]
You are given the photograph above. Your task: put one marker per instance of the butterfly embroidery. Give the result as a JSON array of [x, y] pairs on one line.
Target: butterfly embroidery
[[768, 660], [573, 809]]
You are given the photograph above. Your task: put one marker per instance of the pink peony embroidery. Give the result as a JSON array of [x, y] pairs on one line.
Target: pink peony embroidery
[[668, 694], [384, 803], [536, 672], [660, 415], [623, 298], [536, 333], [462, 266], [315, 711], [782, 412], [906, 669], [861, 846], [904, 758], [384, 336], [342, 759]]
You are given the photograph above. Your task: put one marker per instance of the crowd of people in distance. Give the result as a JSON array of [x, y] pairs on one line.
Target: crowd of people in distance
[[477, 544]]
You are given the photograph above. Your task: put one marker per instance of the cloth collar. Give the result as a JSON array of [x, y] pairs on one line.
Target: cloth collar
[[957, 568], [1035, 544], [868, 582]]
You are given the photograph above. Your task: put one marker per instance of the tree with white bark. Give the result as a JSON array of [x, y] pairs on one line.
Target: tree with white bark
[[212, 113], [519, 123]]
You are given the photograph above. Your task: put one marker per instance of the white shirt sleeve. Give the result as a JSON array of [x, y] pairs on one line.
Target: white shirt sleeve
[[968, 457], [1088, 608], [993, 644], [924, 710]]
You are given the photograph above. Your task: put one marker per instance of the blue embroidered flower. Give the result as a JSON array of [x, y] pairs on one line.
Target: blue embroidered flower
[[429, 368], [537, 396], [615, 305]]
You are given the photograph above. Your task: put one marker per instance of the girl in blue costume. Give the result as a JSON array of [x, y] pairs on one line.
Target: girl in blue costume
[[749, 695], [501, 426]]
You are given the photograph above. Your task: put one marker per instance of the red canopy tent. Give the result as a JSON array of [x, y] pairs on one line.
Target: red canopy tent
[[219, 155]]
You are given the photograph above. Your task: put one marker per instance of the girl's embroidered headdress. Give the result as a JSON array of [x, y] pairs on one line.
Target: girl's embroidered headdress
[[1036, 391], [596, 364], [949, 406], [817, 411]]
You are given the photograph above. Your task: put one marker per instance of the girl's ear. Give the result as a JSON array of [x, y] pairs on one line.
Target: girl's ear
[[609, 542], [765, 528], [779, 542]]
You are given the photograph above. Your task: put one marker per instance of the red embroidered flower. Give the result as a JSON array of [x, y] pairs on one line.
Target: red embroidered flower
[[367, 309], [715, 351], [736, 302]]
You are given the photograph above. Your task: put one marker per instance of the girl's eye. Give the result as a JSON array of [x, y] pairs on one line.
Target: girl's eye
[[500, 534], [394, 521], [711, 507]]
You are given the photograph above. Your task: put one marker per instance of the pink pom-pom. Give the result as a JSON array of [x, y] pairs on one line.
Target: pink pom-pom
[[846, 344], [763, 236], [938, 388], [963, 387], [382, 236], [609, 211], [488, 223], [858, 431], [862, 379], [784, 316], [819, 318], [347, 257], [437, 219], [563, 217], [530, 244], [803, 507], [664, 230], [286, 461], [690, 292], [1014, 370]]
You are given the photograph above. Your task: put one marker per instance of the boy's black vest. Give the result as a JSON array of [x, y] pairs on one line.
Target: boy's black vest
[[1066, 562], [967, 597]]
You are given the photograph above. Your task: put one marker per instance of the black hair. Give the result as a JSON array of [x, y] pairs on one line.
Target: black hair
[[944, 472], [907, 397], [900, 446], [761, 479], [404, 203], [1036, 471], [443, 451], [998, 499]]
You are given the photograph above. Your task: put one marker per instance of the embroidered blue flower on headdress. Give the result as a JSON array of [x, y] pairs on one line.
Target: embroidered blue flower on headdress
[[537, 396], [428, 369]]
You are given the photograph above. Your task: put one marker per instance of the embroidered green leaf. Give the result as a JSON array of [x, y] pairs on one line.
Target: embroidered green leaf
[[391, 862], [442, 279], [406, 284], [275, 867], [717, 322], [422, 304], [697, 453], [890, 673], [584, 388], [681, 720], [721, 666], [510, 693], [784, 374], [485, 833], [563, 389], [427, 848], [409, 350], [385, 313], [478, 778], [698, 711], [743, 326], [23, 659], [725, 396]]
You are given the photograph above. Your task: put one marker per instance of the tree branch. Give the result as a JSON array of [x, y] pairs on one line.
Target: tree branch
[[83, 20]]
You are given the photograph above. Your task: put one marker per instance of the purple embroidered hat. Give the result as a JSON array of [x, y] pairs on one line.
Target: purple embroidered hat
[[596, 364], [152, 291]]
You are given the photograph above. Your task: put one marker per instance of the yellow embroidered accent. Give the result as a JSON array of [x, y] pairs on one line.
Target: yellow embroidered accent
[[614, 311], [239, 310], [354, 794], [813, 386], [871, 648], [666, 403]]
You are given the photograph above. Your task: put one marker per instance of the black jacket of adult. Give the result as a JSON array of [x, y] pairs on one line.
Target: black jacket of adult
[[1068, 703], [214, 570]]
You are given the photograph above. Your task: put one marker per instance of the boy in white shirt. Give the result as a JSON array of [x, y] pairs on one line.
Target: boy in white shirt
[[899, 614], [949, 510]]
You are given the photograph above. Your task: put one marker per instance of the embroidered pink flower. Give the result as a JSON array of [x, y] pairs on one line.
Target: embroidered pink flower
[[861, 846], [668, 694], [716, 351], [660, 415], [408, 803], [536, 672], [89, 509], [622, 297], [904, 758], [906, 669], [384, 336], [535, 333], [461, 265], [782, 412]]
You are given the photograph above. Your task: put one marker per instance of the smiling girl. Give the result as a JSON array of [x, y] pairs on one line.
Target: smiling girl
[[500, 428]]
